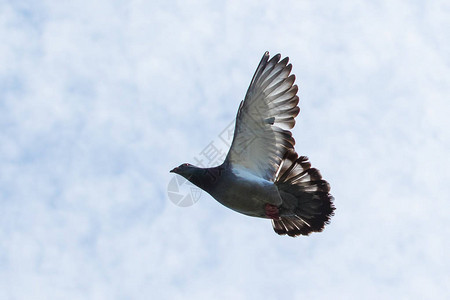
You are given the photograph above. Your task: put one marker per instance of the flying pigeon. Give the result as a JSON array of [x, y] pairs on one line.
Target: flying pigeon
[[262, 175]]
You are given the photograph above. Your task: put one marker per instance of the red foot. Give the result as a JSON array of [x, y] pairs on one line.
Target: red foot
[[272, 211]]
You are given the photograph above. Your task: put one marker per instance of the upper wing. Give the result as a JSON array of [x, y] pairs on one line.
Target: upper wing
[[261, 135]]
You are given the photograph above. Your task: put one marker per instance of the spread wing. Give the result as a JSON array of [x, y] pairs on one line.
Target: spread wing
[[261, 134]]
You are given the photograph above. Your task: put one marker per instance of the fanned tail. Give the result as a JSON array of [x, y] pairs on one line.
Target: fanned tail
[[307, 203]]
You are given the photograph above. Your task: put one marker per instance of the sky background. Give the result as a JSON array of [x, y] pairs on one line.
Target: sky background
[[100, 99]]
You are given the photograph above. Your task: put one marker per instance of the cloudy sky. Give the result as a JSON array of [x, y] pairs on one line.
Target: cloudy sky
[[100, 99]]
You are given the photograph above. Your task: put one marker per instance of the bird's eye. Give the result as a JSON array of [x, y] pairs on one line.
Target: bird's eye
[[185, 165]]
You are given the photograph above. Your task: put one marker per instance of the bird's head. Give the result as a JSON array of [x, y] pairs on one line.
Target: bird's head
[[184, 170], [204, 178]]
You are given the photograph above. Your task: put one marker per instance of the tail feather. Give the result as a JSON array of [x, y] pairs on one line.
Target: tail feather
[[307, 204], [292, 226]]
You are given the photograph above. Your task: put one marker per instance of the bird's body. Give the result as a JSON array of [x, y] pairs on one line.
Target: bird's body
[[262, 175], [245, 192]]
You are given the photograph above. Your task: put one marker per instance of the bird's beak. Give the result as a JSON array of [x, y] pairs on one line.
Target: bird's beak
[[174, 170]]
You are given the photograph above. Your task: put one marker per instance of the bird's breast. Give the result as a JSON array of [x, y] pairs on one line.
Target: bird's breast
[[246, 193]]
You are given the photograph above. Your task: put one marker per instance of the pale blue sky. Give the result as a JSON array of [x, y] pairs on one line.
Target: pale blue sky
[[100, 99]]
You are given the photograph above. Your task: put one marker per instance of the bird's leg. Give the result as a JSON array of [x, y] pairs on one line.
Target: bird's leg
[[271, 211]]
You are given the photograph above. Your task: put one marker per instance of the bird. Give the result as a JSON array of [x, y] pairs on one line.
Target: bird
[[262, 175]]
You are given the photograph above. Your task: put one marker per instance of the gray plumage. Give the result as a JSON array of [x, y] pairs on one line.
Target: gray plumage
[[262, 175]]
